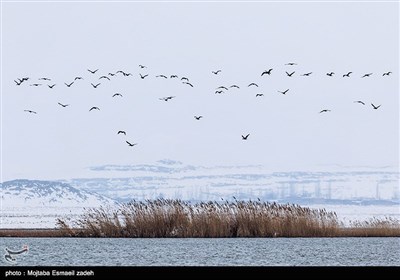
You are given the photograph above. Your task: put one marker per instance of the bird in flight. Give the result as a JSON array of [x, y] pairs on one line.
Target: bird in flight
[[18, 83], [30, 111], [291, 63], [35, 85], [142, 77], [78, 78], [95, 86], [174, 76], [51, 86], [69, 85], [359, 101], [142, 66], [216, 72], [161, 76], [117, 94], [347, 75], [130, 144], [366, 75], [45, 79], [387, 73], [187, 83], [63, 105], [324, 111], [234, 86], [184, 78], [219, 91], [222, 87], [94, 108], [290, 74], [198, 117], [375, 107], [284, 92], [267, 72], [307, 74], [121, 132], [167, 98], [245, 137], [93, 72], [330, 74], [259, 94], [111, 74], [104, 77], [127, 74], [253, 84]]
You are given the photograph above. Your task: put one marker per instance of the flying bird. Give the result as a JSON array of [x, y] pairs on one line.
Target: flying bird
[[127, 74], [45, 79], [387, 73], [51, 86], [234, 86], [219, 91], [142, 77], [291, 63], [121, 132], [216, 72], [161, 76], [142, 66], [30, 111], [198, 117], [69, 85], [173, 76], [187, 83], [375, 107], [307, 74], [167, 98], [330, 74], [94, 108], [222, 87], [347, 75], [359, 101], [18, 83], [259, 94], [245, 137], [366, 75], [35, 85], [324, 111], [95, 86], [104, 77], [267, 72], [253, 84], [78, 78], [184, 78], [291, 74], [93, 72], [111, 74], [117, 94], [63, 105], [130, 144], [284, 92]]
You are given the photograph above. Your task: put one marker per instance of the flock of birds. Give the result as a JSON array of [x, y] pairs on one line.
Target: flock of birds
[[43, 81]]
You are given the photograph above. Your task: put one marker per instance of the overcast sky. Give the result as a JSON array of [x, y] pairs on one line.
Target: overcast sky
[[62, 40]]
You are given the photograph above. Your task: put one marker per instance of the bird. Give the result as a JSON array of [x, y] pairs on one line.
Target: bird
[[93, 72], [222, 87], [63, 105], [30, 111], [51, 86], [375, 107], [69, 85], [130, 144], [45, 79], [267, 72], [366, 75], [174, 76], [387, 73], [104, 77], [291, 74], [219, 91], [127, 74], [252, 84], [259, 94], [359, 101], [347, 75], [94, 108], [35, 85], [142, 66], [284, 92], [161, 76], [78, 78], [330, 74], [120, 71], [324, 111], [187, 83], [18, 83], [216, 72], [121, 132], [307, 74], [142, 77], [117, 94], [95, 86], [198, 117], [245, 137], [184, 78], [234, 86], [167, 98], [291, 63], [111, 74]]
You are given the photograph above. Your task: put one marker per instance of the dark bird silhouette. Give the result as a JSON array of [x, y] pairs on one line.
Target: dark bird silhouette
[[359, 101], [307, 74], [121, 132], [18, 83], [291, 74], [184, 78], [366, 75], [161, 76], [95, 86], [198, 117], [120, 71], [245, 137], [142, 66], [253, 84], [375, 107], [63, 105], [330, 74], [284, 92], [117, 94], [259, 94], [174, 76], [93, 72], [324, 111], [387, 73], [35, 85], [127, 74], [167, 98], [216, 72], [51, 86], [45, 79], [222, 87], [94, 108], [234, 86], [187, 83], [130, 144], [69, 85], [111, 74], [347, 75], [78, 78], [30, 111], [219, 91], [143, 76], [266, 72], [104, 77], [24, 79], [291, 63]]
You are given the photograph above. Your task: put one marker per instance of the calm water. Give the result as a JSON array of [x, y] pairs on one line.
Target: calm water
[[204, 252]]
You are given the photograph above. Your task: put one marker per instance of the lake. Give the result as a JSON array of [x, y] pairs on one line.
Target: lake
[[203, 252]]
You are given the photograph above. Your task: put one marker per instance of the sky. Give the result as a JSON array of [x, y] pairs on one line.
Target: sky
[[62, 40]]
